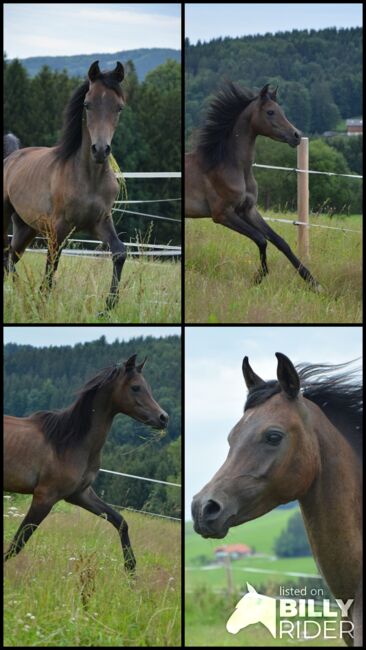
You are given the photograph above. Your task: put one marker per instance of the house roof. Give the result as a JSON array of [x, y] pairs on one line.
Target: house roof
[[354, 122], [233, 548]]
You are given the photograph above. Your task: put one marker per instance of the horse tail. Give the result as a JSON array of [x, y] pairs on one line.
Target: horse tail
[[11, 143]]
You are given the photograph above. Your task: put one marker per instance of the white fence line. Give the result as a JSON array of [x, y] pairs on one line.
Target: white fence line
[[149, 201], [149, 175], [86, 253], [306, 171], [144, 512], [144, 214], [311, 225], [142, 478]]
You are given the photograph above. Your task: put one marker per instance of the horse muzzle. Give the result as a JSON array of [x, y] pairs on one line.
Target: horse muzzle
[[210, 518], [100, 153]]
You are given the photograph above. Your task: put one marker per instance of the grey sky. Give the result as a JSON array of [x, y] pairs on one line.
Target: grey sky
[[46, 336], [205, 21], [214, 385], [45, 29]]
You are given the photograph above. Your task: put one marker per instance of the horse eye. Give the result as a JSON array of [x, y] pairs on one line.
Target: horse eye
[[135, 389], [86, 105], [273, 437], [270, 112]]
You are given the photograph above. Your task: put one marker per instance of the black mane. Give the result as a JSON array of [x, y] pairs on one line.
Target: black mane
[[337, 393], [71, 136], [67, 427], [222, 114]]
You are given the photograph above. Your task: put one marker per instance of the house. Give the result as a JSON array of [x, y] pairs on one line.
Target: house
[[234, 551], [354, 126]]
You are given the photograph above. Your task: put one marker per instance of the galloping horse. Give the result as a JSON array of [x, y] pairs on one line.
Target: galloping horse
[[55, 455], [300, 443], [219, 181], [55, 191]]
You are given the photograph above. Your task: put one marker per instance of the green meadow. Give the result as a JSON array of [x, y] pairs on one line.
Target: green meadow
[[68, 586], [220, 267], [150, 292]]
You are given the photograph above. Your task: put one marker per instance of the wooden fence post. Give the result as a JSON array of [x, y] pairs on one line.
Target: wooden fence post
[[303, 198]]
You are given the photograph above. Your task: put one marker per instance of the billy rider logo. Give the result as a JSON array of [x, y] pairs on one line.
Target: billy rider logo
[[296, 617]]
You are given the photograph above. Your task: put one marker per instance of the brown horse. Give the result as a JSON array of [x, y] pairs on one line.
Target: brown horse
[[55, 191], [55, 455], [219, 181], [297, 444]]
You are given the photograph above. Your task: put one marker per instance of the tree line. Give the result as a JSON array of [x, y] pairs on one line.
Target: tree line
[[48, 378], [148, 136], [319, 79]]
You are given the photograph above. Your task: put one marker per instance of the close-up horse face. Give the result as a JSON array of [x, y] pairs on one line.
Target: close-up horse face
[[270, 450], [269, 119], [132, 395]]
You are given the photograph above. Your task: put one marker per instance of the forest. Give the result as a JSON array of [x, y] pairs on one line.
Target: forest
[[49, 377], [319, 79], [148, 136]]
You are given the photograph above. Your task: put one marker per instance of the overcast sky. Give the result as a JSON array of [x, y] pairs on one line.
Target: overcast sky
[[214, 386], [46, 336], [205, 21], [36, 29]]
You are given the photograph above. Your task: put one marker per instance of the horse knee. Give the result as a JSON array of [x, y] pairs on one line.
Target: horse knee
[[119, 257]]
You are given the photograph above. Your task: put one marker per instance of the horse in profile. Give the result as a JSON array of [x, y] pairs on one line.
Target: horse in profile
[[300, 437], [54, 191], [219, 180], [55, 455]]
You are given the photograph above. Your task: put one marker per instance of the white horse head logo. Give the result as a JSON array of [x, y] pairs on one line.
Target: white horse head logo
[[253, 608]]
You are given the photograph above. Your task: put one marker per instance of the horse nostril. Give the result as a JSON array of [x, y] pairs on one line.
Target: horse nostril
[[164, 418], [297, 135], [211, 510], [94, 148], [107, 150]]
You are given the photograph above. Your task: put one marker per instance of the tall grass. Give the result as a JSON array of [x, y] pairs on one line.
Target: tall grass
[[68, 586], [150, 292], [220, 267]]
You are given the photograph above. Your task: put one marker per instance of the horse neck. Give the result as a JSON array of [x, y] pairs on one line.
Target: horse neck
[[332, 510], [243, 140], [101, 422]]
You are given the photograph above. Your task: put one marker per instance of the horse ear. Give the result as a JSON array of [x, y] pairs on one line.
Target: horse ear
[[251, 590], [273, 94], [250, 378], [141, 365], [119, 72], [264, 92], [130, 364], [94, 71], [287, 375]]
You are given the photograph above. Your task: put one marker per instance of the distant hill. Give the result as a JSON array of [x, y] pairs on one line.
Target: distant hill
[[144, 59]]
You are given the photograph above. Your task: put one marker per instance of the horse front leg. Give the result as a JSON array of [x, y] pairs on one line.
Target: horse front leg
[[106, 231], [257, 220], [89, 500], [39, 509], [56, 240]]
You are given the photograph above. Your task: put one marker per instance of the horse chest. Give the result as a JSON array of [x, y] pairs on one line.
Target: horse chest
[[84, 212]]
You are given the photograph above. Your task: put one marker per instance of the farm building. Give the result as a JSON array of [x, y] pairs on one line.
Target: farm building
[[354, 126], [234, 551]]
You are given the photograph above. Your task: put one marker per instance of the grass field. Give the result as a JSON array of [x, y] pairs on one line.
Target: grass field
[[220, 267], [207, 605], [68, 586], [150, 292]]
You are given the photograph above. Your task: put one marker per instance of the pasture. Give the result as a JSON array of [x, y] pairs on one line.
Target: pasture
[[68, 586], [150, 292], [220, 268], [207, 607]]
